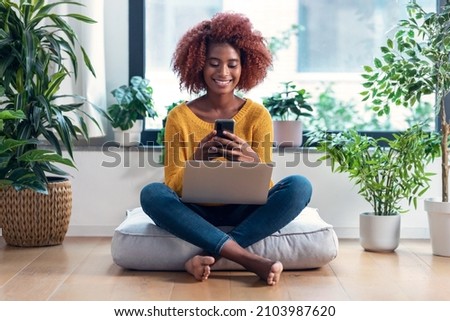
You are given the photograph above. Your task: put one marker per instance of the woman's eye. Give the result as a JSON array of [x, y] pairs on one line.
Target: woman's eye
[[216, 65]]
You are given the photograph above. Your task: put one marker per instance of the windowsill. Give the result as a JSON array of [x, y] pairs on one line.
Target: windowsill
[[149, 136], [103, 143]]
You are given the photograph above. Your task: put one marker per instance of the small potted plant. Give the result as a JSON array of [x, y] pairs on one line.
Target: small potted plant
[[286, 108], [134, 103], [386, 171]]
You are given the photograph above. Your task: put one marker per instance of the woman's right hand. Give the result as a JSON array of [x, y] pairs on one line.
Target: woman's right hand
[[207, 149]]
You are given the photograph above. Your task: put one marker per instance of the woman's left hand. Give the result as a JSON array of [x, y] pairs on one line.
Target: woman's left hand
[[235, 148]]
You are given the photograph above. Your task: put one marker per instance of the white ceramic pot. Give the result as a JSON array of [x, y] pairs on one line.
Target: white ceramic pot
[[439, 222], [379, 233], [129, 137], [288, 133]]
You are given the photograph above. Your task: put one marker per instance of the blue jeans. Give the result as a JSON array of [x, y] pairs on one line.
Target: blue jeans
[[198, 224]]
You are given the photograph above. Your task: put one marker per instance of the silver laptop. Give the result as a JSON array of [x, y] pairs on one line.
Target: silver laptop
[[226, 182]]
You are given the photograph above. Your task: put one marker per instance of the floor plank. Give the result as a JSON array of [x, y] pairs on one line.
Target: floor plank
[[15, 259], [98, 278], [319, 284], [39, 279]]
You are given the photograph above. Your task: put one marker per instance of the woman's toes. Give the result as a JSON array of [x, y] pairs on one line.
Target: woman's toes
[[275, 273], [199, 266]]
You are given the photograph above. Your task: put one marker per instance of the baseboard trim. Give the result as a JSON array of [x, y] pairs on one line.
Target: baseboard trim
[[405, 233], [89, 230]]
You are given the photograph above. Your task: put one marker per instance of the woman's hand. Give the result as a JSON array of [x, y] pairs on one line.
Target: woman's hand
[[207, 148], [235, 148]]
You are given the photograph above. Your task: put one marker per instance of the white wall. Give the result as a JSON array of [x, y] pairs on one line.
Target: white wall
[[106, 184]]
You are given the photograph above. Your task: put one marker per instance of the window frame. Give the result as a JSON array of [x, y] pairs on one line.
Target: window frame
[[136, 66], [136, 55]]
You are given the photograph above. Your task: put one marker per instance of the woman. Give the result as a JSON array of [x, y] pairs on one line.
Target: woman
[[218, 57]]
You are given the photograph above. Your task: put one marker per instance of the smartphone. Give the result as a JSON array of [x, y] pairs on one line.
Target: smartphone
[[222, 125]]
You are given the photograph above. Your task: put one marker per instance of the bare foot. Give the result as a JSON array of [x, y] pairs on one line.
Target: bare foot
[[275, 273], [200, 266], [267, 270]]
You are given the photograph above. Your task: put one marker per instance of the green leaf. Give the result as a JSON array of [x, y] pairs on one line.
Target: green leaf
[[10, 144], [5, 183], [39, 155], [385, 49], [80, 18], [54, 84], [87, 61], [44, 10], [390, 43], [12, 114], [377, 62]]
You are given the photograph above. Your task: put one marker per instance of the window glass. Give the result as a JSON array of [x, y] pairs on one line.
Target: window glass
[[319, 45]]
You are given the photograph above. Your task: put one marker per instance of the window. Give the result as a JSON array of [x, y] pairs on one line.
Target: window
[[322, 48]]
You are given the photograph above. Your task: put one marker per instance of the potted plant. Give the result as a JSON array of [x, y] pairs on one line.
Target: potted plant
[[386, 171], [415, 63], [36, 207], [134, 103], [286, 108]]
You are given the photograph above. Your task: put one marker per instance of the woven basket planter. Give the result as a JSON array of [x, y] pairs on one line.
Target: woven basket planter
[[31, 219]]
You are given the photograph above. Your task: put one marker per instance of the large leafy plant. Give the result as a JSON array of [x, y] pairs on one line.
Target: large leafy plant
[[415, 63], [133, 102], [35, 44], [288, 104], [387, 171]]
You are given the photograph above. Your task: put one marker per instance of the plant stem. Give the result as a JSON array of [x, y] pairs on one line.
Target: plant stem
[[445, 130]]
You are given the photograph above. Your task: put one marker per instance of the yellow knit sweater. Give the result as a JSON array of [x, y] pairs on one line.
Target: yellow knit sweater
[[184, 130]]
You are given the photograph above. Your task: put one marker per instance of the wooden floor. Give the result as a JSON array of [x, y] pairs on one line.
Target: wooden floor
[[82, 269]]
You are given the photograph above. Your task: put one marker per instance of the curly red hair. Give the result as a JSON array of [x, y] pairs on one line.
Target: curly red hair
[[234, 29]]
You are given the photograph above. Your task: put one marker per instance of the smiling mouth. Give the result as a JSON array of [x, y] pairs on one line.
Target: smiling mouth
[[222, 83]]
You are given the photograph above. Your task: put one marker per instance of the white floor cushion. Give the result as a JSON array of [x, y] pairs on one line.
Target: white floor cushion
[[305, 243]]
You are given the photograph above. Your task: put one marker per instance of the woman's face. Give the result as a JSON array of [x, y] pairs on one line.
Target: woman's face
[[222, 69]]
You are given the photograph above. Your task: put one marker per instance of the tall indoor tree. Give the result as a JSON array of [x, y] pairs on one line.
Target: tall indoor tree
[[413, 64]]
